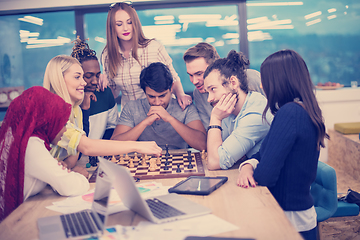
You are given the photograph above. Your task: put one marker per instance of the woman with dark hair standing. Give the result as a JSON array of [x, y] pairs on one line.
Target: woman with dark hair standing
[[288, 157], [128, 51]]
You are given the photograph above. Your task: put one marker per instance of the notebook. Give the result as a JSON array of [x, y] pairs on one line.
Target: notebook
[[87, 223], [165, 208]]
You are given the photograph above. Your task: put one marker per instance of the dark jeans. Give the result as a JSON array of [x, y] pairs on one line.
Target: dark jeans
[[310, 235]]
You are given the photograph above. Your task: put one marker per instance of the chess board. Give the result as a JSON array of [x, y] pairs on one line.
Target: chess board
[[142, 172]]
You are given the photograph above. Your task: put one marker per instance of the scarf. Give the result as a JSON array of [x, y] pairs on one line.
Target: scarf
[[36, 112]]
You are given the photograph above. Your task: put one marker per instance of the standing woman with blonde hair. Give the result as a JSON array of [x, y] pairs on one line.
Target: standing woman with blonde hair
[[64, 77], [128, 51]]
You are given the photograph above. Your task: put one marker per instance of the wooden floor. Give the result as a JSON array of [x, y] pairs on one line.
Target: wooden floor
[[342, 228]]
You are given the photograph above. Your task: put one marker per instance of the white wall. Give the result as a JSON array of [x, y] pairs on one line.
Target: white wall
[[338, 106]]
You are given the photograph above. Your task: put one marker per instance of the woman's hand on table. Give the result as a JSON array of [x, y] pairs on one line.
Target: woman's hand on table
[[245, 178]]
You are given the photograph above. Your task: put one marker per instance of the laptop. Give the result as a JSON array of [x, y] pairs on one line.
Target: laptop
[[165, 208], [83, 224]]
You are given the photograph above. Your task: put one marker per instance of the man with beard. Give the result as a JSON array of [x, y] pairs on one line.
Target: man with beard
[[237, 113], [159, 117], [197, 59]]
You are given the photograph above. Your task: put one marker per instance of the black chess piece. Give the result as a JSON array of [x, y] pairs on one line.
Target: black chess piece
[[166, 161], [166, 167], [189, 157], [167, 150], [178, 170], [190, 166], [93, 161]]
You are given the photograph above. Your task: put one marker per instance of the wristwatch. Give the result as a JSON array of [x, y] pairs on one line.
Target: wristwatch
[[214, 126]]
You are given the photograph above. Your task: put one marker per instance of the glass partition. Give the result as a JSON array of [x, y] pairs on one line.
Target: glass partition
[[325, 33], [178, 29], [28, 42]]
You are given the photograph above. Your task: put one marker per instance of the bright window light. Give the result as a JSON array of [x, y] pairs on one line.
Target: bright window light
[[312, 15], [313, 22], [263, 4]]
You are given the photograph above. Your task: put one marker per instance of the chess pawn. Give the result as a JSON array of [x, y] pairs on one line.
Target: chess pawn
[[153, 165], [203, 155], [145, 157], [178, 170], [113, 159], [131, 163], [136, 157], [158, 161], [127, 158], [122, 159]]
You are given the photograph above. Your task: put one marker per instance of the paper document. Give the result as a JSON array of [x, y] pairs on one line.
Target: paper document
[[79, 203], [206, 225]]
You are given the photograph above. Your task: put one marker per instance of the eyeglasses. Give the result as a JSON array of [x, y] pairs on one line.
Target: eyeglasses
[[118, 3]]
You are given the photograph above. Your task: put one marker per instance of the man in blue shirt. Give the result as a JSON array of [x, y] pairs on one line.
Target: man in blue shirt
[[158, 117], [236, 128]]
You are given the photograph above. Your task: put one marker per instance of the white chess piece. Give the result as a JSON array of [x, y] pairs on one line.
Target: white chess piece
[[153, 165]]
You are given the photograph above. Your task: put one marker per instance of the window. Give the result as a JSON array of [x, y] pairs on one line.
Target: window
[[325, 33], [28, 42]]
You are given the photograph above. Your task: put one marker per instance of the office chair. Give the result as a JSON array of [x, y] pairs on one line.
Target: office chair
[[324, 192], [345, 209]]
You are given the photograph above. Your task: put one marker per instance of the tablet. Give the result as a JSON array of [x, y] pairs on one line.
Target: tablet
[[198, 185]]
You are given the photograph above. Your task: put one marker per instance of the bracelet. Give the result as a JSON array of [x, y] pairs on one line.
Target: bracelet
[[214, 126]]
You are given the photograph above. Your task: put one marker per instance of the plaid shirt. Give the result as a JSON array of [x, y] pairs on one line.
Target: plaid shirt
[[127, 79]]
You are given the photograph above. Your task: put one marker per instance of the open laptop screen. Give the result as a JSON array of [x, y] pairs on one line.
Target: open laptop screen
[[100, 204], [86, 223]]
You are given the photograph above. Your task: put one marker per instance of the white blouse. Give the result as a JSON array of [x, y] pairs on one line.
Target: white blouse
[[42, 169]]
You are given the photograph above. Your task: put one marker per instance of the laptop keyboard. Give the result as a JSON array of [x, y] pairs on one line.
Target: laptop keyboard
[[162, 210], [79, 224]]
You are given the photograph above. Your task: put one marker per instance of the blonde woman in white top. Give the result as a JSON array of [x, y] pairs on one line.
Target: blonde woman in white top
[[64, 77]]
